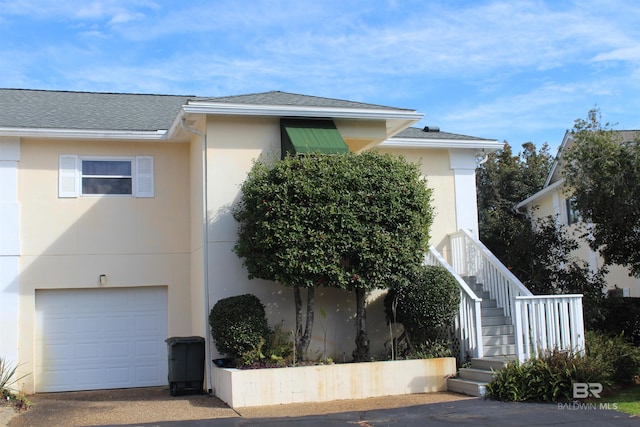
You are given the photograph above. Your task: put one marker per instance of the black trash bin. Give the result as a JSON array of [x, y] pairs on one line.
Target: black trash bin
[[186, 364]]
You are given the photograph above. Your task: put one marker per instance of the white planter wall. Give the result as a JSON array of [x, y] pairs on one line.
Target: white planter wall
[[260, 387]]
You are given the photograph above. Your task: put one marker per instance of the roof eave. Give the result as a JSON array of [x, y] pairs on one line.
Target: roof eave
[[396, 119], [83, 134], [539, 194], [482, 144]]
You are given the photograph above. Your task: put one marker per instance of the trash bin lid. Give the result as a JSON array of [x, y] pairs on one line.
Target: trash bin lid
[[183, 340]]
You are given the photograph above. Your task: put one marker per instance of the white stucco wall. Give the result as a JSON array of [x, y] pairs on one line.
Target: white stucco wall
[[9, 247], [69, 243], [233, 144]]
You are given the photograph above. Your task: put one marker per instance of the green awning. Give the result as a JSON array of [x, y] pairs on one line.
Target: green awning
[[311, 136]]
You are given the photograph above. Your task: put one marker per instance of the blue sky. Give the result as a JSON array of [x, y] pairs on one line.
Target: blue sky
[[515, 70]]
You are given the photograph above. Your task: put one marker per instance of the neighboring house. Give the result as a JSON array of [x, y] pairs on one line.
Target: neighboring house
[[116, 232], [555, 200]]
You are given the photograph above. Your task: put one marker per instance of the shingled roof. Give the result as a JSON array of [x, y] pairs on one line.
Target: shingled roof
[[20, 108], [421, 133], [295, 100], [42, 109]]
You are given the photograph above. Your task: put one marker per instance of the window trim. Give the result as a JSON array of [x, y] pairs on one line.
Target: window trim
[[70, 176]]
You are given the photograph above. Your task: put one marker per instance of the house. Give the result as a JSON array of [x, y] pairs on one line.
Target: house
[[116, 232], [554, 199]]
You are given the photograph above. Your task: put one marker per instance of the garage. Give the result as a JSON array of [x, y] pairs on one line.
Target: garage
[[88, 339]]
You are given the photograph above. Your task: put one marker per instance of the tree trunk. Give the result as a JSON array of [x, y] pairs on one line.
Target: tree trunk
[[303, 337], [361, 354]]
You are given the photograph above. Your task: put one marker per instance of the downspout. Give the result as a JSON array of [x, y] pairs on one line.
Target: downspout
[[205, 254]]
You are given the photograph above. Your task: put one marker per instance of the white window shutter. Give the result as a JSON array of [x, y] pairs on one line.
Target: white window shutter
[[144, 176], [68, 182]]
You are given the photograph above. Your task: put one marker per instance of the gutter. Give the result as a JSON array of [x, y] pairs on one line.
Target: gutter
[[205, 254], [491, 145], [152, 135]]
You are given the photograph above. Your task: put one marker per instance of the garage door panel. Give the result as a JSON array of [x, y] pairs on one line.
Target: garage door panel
[[117, 325], [89, 351], [147, 323], [59, 352], [116, 344]]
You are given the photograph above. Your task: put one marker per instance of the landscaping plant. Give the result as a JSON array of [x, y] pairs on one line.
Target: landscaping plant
[[239, 325], [355, 222], [424, 305], [546, 378], [8, 378], [550, 376]]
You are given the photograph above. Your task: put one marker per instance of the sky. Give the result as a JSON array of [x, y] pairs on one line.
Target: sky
[[510, 70]]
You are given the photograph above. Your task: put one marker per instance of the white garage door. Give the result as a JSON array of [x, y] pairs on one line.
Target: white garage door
[[89, 339]]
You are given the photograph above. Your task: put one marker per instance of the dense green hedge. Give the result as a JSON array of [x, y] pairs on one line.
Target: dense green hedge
[[428, 302], [238, 325]]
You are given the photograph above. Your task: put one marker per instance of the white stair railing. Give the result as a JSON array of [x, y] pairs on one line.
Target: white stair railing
[[467, 326], [542, 322], [547, 322]]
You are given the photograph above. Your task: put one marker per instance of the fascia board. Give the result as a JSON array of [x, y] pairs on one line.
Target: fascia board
[[488, 145], [295, 111], [83, 134], [556, 161], [539, 194]]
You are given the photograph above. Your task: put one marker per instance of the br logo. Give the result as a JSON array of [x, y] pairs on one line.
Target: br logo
[[584, 390]]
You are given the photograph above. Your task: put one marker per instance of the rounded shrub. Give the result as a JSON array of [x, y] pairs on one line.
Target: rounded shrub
[[238, 325], [428, 302]]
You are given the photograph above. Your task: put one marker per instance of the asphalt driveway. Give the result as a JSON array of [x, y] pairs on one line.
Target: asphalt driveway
[[153, 407]]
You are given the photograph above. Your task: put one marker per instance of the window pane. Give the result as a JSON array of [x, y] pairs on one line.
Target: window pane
[[106, 167], [106, 186]]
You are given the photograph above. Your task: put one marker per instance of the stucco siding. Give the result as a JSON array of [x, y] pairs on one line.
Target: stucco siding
[[69, 242], [435, 166]]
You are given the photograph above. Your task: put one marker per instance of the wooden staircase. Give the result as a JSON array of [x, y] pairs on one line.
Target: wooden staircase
[[498, 338]]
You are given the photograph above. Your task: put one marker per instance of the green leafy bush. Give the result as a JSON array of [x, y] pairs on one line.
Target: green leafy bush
[[550, 377], [621, 315], [239, 325], [430, 349], [427, 303], [274, 352], [547, 378], [619, 358]]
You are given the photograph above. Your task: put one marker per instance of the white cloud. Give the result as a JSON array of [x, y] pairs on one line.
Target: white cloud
[[630, 54]]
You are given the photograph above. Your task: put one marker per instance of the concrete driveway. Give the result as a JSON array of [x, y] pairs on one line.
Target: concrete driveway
[[153, 407]]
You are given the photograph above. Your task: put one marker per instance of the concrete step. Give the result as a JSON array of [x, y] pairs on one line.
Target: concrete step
[[481, 375], [470, 280], [488, 340], [499, 350], [482, 294], [488, 303], [497, 329], [489, 363], [468, 387], [495, 320], [492, 312]]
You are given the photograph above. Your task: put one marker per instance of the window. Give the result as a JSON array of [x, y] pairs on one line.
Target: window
[[573, 216], [107, 177], [100, 176]]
